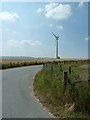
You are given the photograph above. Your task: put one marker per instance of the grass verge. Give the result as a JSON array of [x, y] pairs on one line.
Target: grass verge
[[70, 101]]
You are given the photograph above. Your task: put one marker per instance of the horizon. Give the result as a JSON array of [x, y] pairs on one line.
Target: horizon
[[1, 57], [23, 22]]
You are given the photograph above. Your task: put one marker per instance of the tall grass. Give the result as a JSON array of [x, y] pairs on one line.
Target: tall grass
[[72, 100]]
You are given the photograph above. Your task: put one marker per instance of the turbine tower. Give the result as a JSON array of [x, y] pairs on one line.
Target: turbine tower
[[57, 37]]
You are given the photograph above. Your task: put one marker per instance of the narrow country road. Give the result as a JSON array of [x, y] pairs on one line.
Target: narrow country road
[[17, 94]]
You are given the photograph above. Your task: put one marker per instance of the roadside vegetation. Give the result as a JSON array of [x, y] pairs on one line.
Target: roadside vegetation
[[64, 100]]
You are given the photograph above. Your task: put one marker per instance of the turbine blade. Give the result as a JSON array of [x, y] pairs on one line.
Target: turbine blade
[[54, 35]]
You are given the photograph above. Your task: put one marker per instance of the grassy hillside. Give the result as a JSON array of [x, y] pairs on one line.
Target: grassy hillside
[[71, 100]]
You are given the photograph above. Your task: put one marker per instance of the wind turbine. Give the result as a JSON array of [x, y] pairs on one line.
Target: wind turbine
[[57, 37]]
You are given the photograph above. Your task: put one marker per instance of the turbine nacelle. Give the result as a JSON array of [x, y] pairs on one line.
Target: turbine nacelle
[[55, 36]]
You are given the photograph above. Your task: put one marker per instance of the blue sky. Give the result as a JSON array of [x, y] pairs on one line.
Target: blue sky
[[27, 29]]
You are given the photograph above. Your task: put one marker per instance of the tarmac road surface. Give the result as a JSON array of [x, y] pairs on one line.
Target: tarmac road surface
[[17, 94]]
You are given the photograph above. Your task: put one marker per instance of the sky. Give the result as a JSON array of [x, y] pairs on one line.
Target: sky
[[27, 29]]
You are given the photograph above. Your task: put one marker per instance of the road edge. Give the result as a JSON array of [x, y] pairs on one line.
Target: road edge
[[38, 101]]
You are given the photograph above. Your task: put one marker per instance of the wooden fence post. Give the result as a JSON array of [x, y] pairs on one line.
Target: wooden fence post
[[65, 77], [69, 69], [89, 79], [52, 69]]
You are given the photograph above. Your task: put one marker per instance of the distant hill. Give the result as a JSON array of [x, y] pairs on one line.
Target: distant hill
[[16, 57]]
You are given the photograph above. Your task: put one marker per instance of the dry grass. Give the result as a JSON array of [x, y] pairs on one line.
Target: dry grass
[[4, 61], [10, 63], [40, 60]]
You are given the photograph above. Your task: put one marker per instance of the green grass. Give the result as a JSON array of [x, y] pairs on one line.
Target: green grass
[[72, 100]]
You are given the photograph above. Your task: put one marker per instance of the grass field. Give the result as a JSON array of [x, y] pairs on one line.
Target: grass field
[[64, 101], [11, 63]]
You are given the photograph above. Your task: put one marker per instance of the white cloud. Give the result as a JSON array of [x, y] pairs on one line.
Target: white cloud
[[6, 16], [60, 27], [13, 43], [58, 11], [87, 38], [20, 43], [30, 42], [81, 4], [39, 10]]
